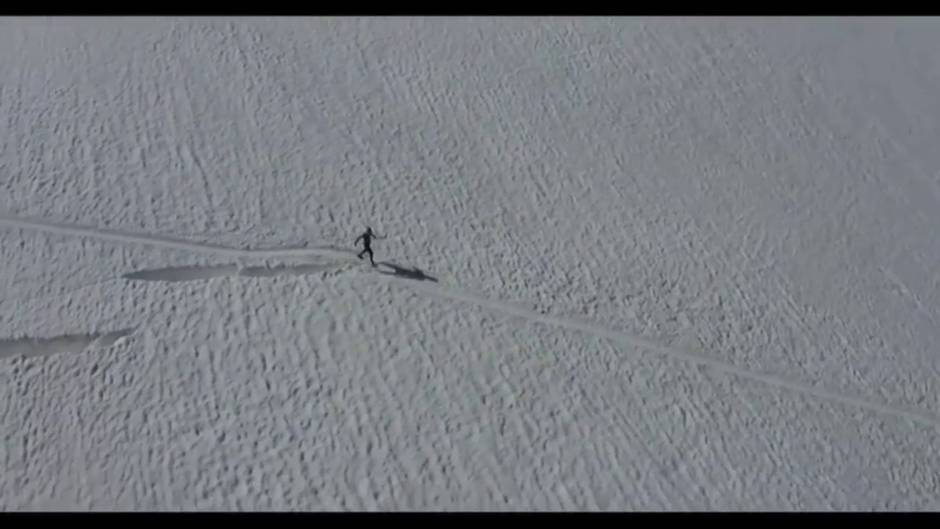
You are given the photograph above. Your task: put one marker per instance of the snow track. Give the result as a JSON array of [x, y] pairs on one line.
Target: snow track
[[402, 278]]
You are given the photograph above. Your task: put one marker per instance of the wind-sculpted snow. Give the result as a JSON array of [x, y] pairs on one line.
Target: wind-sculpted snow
[[631, 264]]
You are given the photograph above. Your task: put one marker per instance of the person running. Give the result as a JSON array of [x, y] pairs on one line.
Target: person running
[[367, 243]]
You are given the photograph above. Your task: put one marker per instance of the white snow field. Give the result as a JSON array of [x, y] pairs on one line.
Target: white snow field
[[632, 264]]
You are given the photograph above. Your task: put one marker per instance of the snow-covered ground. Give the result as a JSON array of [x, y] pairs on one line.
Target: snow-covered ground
[[631, 264]]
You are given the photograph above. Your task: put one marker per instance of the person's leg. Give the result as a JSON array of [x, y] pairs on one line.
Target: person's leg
[[371, 260]]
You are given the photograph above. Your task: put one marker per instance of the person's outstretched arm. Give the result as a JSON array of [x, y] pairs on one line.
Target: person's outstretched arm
[[357, 240]]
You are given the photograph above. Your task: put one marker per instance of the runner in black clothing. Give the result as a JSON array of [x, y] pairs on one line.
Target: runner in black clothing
[[367, 243]]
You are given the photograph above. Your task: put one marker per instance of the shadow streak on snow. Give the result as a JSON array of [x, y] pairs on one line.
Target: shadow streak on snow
[[182, 273], [201, 273], [414, 272], [69, 343]]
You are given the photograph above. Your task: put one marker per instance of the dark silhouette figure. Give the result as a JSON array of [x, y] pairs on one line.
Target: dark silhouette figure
[[367, 243]]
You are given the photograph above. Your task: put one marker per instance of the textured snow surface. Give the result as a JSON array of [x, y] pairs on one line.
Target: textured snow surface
[[632, 264]]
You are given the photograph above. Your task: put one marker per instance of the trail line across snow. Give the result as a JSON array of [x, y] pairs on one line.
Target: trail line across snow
[[452, 294]]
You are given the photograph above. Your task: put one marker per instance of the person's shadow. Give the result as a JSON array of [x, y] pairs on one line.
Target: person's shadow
[[399, 271]]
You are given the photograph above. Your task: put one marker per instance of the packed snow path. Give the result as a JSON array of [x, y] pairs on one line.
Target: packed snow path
[[458, 295]]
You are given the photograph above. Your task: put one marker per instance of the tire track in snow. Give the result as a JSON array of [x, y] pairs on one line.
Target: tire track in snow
[[433, 289]]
